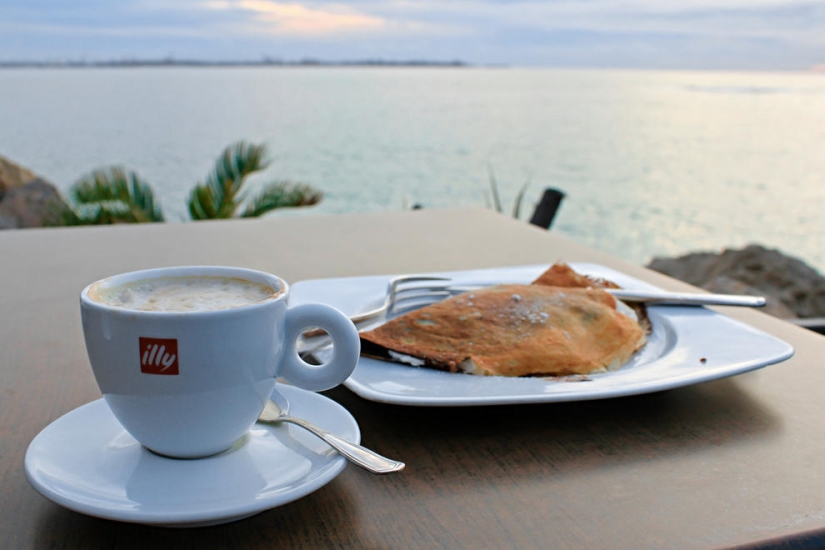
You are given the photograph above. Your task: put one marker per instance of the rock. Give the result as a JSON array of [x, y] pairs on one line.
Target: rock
[[7, 222], [26, 200], [13, 176], [792, 288], [727, 285], [35, 204]]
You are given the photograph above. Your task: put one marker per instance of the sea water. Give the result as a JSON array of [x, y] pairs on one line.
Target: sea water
[[651, 162]]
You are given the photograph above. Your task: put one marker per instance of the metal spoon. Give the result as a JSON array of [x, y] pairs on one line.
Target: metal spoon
[[361, 456]]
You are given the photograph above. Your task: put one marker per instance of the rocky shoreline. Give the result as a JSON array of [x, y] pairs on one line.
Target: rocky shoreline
[[793, 289], [27, 200]]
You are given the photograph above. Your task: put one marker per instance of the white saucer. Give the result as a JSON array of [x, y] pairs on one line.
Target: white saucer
[[87, 462]]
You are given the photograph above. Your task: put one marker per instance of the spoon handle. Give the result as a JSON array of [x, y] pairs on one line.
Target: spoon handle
[[367, 459]]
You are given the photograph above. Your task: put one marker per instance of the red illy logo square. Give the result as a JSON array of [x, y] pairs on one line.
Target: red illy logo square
[[158, 355]]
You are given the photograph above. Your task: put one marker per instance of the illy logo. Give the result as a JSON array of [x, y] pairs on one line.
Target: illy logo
[[158, 355]]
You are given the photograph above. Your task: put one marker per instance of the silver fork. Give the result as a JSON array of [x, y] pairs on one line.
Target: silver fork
[[403, 292]]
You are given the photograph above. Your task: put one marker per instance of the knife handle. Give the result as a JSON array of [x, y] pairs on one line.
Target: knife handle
[[686, 298]]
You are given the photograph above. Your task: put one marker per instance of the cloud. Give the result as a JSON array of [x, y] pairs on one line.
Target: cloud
[[650, 33], [711, 17], [297, 19]]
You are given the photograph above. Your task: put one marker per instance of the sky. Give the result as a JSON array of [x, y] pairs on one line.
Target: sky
[[647, 34]]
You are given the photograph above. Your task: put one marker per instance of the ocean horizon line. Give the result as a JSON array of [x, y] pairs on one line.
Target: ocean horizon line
[[136, 63], [266, 61]]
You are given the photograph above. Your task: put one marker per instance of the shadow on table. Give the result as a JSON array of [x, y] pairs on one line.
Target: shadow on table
[[456, 454], [446, 442]]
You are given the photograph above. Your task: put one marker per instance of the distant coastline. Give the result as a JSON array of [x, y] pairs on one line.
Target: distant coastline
[[265, 62]]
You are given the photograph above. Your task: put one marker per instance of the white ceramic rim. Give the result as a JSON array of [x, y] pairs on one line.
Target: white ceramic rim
[[253, 275]]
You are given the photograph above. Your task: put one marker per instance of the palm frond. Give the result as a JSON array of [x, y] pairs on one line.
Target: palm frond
[[282, 194], [93, 214], [519, 200], [219, 196], [494, 190], [113, 195]]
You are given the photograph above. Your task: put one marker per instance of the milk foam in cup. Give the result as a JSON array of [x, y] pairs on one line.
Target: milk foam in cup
[[187, 357], [191, 293]]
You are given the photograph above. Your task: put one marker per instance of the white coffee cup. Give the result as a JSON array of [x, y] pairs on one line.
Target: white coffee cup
[[191, 383]]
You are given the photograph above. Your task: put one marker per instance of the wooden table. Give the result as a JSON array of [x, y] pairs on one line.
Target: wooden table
[[737, 461]]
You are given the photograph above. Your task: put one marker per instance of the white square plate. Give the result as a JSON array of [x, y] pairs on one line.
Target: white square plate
[[689, 345]]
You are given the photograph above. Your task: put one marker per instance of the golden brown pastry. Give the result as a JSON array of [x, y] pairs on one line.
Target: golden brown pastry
[[514, 330], [561, 274]]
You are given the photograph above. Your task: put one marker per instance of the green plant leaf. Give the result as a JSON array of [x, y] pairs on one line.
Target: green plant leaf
[[282, 194], [494, 190], [113, 195], [519, 200], [219, 197]]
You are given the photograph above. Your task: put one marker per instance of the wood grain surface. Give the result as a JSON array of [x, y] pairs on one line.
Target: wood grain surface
[[736, 461]]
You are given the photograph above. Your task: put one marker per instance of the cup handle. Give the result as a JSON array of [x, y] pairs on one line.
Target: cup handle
[[346, 347]]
